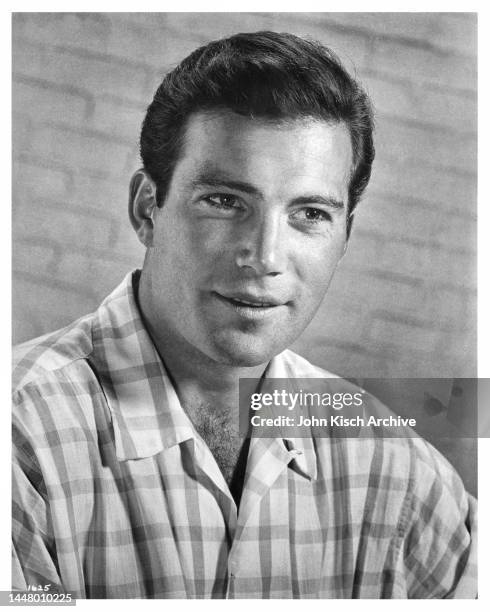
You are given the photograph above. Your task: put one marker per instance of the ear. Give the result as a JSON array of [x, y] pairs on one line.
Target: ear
[[142, 203]]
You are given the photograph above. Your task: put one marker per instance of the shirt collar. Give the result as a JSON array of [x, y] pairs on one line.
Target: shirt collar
[[288, 365], [146, 413]]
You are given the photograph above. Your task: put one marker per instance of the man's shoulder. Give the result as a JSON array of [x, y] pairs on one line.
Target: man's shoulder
[[408, 454], [43, 357], [66, 350], [53, 382]]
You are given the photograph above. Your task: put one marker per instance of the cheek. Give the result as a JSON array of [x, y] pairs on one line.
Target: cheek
[[181, 244], [319, 261], [194, 258], [211, 244], [315, 274]]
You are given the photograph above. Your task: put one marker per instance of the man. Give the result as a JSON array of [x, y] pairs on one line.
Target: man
[[129, 480]]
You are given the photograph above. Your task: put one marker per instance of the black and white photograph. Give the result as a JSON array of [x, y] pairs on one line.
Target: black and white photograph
[[209, 206]]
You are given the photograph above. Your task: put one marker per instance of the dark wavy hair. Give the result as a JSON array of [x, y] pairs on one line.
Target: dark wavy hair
[[266, 75]]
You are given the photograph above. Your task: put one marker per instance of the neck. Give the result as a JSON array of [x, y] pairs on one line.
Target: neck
[[198, 379]]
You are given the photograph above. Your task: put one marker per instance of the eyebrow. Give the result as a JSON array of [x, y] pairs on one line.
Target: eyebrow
[[318, 199], [216, 180], [219, 180]]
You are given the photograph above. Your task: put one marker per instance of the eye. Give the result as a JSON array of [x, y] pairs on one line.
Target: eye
[[224, 201], [311, 215]]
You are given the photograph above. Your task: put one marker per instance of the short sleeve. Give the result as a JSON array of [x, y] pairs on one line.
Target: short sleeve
[[439, 552]]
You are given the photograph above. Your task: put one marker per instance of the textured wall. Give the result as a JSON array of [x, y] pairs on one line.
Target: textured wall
[[403, 302]]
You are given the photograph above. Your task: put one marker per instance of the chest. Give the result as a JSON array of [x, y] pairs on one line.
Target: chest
[[227, 447]]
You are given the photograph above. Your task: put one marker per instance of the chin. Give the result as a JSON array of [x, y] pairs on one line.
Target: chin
[[245, 352]]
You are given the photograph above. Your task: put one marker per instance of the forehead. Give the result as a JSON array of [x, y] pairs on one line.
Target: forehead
[[305, 151]]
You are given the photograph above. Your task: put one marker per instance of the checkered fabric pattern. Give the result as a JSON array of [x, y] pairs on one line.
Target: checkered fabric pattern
[[115, 495]]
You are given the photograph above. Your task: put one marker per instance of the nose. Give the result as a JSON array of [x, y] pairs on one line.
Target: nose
[[261, 247]]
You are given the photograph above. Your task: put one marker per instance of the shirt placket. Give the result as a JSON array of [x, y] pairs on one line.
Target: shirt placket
[[267, 459], [206, 464]]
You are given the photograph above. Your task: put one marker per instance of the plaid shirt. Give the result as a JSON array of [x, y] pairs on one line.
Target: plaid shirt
[[115, 495]]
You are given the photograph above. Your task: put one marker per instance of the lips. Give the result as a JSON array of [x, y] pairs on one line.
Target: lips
[[251, 305], [253, 301], [257, 304]]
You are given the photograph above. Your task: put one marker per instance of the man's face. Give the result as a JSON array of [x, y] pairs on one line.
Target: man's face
[[250, 234]]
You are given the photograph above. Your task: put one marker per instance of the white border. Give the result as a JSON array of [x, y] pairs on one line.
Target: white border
[[483, 283]]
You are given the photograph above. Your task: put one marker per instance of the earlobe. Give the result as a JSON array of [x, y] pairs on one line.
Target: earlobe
[[142, 203]]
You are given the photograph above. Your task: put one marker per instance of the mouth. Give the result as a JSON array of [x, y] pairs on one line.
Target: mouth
[[251, 306]]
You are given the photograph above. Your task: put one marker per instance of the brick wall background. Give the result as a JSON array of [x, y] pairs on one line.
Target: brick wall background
[[403, 302]]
